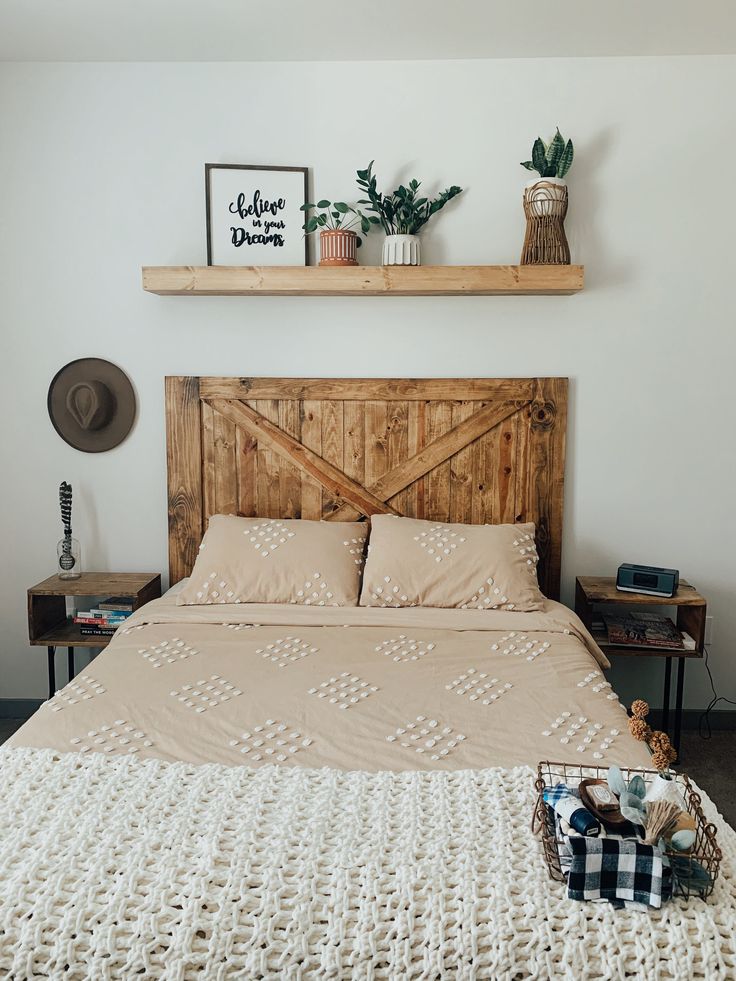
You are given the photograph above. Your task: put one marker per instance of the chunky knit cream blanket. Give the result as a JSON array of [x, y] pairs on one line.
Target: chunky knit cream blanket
[[125, 868]]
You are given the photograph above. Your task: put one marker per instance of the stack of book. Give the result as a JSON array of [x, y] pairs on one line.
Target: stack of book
[[105, 618], [645, 630]]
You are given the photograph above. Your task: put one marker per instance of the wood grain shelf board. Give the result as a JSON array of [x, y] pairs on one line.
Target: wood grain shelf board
[[96, 584], [602, 589], [601, 639], [68, 634], [551, 280]]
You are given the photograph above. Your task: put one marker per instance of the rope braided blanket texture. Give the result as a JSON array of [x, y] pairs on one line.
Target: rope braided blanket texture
[[123, 868]]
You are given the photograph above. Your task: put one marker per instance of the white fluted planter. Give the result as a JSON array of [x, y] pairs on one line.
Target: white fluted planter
[[401, 250]]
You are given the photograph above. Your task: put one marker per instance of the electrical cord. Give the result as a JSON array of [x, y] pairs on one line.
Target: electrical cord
[[704, 727]]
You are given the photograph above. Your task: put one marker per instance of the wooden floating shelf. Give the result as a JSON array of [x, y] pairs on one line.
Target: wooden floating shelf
[[363, 280]]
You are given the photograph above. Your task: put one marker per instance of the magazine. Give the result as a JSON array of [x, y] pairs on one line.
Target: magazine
[[642, 630]]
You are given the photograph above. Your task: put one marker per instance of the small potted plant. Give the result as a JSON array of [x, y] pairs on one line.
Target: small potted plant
[[545, 202], [335, 221], [401, 214]]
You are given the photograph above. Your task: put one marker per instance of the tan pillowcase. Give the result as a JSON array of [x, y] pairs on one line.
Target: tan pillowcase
[[268, 560], [471, 567]]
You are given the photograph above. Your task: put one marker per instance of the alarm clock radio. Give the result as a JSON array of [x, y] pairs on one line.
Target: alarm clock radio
[[648, 579]]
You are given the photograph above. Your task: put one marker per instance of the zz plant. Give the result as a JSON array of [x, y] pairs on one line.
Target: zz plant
[[334, 215], [403, 211], [553, 159]]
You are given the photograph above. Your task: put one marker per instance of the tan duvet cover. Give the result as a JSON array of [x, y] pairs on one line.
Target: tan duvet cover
[[350, 688]]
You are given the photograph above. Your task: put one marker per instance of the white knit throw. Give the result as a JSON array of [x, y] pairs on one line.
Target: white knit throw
[[126, 868]]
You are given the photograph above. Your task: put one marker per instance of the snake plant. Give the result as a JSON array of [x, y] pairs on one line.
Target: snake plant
[[552, 159]]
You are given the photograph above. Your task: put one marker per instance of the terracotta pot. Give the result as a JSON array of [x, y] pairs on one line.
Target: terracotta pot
[[338, 247]]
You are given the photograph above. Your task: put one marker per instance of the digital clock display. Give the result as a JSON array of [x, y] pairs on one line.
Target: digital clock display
[[645, 579]]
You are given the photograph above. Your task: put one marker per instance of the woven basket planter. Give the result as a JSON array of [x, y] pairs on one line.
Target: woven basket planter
[[337, 247], [545, 207]]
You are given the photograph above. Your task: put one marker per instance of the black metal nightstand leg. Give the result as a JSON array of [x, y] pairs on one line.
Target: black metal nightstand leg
[[666, 697], [70, 662], [51, 652], [678, 702]]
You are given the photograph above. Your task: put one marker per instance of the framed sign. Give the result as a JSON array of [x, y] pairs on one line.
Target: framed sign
[[253, 216]]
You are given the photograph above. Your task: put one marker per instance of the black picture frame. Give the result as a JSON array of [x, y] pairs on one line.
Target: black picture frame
[[254, 168]]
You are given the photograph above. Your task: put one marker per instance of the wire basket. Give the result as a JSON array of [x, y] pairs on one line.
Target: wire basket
[[705, 851]]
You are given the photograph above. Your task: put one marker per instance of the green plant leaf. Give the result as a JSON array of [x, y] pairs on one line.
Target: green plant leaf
[[365, 225], [306, 206], [554, 152], [638, 787], [616, 781], [321, 219], [324, 203], [528, 164], [311, 225], [565, 161], [627, 799], [631, 814], [341, 207], [539, 159]]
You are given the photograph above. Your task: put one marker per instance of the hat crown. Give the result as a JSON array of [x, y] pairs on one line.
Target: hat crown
[[90, 404]]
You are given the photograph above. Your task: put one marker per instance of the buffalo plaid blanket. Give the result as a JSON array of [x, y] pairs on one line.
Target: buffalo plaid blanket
[[616, 868]]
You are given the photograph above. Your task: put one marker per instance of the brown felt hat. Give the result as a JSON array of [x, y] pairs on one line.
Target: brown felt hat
[[91, 404]]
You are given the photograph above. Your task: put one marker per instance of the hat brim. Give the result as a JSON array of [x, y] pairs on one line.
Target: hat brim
[[124, 410]]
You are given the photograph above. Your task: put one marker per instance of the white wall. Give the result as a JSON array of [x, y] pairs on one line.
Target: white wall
[[101, 170]]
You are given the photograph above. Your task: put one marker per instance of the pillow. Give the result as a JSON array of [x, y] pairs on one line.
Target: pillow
[[473, 567], [267, 560]]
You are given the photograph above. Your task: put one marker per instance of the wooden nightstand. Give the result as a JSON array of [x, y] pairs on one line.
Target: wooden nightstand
[[594, 591], [48, 624]]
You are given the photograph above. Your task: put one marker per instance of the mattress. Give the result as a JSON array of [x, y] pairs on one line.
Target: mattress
[[365, 689]]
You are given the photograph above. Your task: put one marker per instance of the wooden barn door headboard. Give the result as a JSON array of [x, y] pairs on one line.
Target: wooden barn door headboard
[[472, 450]]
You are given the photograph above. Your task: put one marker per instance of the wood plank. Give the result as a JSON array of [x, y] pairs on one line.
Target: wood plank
[[602, 589], [184, 473], [403, 419], [209, 476], [545, 477], [376, 441], [354, 441], [408, 471], [461, 467], [226, 476], [363, 280], [332, 444], [375, 389], [484, 477], [290, 481], [269, 464], [246, 452], [437, 480], [97, 584], [311, 437], [288, 448]]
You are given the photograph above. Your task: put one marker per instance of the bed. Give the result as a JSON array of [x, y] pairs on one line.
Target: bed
[[294, 791]]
